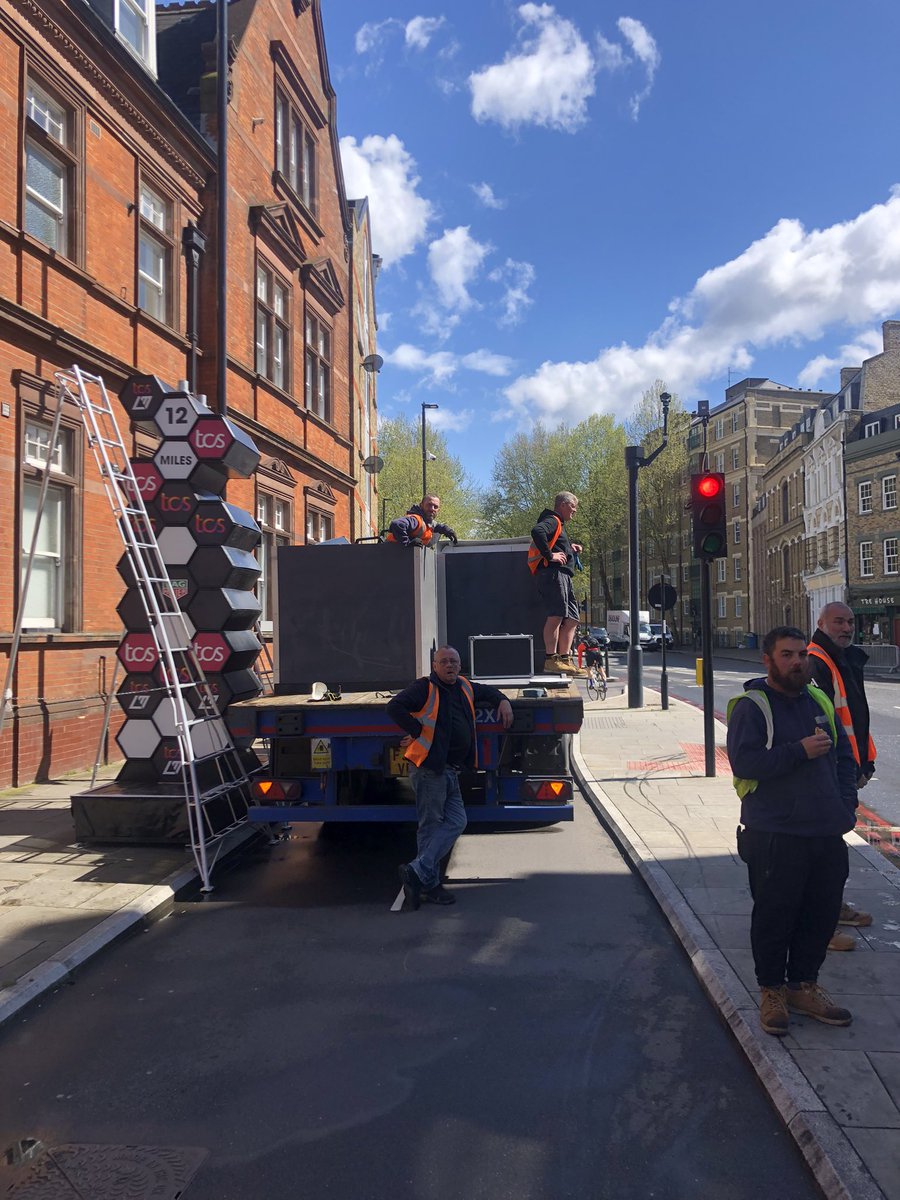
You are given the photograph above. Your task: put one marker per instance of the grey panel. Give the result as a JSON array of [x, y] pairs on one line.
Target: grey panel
[[361, 616], [486, 587]]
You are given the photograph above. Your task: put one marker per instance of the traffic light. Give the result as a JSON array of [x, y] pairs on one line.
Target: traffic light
[[708, 515]]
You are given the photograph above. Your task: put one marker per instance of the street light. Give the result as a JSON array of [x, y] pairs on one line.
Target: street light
[[425, 455]]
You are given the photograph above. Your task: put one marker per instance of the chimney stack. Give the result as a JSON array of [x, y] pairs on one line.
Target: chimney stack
[[890, 331]]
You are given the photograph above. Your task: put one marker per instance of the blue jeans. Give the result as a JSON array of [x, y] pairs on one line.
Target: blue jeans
[[442, 818]]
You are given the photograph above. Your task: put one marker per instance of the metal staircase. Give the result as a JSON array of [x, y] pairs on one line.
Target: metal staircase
[[214, 776]]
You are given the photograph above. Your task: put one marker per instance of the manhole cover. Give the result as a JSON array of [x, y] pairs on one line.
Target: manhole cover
[[75, 1172]]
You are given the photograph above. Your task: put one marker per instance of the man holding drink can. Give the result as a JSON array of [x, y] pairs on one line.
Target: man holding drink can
[[795, 773]]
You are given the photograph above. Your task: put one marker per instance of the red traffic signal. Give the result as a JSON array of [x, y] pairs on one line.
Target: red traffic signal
[[708, 515]]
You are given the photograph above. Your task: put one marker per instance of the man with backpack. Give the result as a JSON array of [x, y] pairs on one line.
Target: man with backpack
[[551, 559], [796, 776]]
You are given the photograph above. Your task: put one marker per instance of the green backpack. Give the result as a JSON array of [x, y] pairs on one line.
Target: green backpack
[[744, 786]]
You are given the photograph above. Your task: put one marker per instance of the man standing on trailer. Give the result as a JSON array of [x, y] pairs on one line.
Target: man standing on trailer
[[837, 667], [418, 527], [551, 559], [437, 713]]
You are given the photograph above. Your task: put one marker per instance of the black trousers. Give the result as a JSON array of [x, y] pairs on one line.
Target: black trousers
[[797, 884]]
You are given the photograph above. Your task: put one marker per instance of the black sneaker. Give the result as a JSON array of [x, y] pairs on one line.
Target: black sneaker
[[439, 895], [412, 885]]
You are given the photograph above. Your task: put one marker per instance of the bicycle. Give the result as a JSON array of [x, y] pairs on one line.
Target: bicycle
[[596, 683]]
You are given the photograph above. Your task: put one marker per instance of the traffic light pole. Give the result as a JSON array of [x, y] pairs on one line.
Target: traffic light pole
[[709, 724], [634, 459]]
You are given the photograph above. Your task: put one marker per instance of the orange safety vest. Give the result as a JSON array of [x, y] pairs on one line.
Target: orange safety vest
[[535, 557], [423, 531], [419, 748], [841, 707]]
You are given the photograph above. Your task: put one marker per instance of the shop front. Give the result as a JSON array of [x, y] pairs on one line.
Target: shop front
[[877, 613]]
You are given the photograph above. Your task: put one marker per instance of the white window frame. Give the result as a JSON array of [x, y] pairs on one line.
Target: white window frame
[[734, 421], [319, 526], [891, 556], [318, 365], [273, 326], [736, 529], [739, 605], [735, 495], [48, 145], [889, 492], [736, 568], [735, 458], [51, 556], [720, 462], [139, 16], [721, 570], [719, 428], [274, 515], [864, 496], [872, 429], [866, 560], [154, 237], [722, 607]]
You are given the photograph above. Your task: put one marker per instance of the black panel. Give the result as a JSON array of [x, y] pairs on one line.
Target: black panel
[[492, 591], [346, 615]]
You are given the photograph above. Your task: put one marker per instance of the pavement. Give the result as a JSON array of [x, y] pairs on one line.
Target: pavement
[[643, 772]]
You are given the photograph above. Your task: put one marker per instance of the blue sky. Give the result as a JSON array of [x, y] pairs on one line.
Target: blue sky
[[575, 199]]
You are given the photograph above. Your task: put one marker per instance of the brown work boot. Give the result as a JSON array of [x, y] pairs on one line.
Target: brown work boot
[[842, 941], [813, 1001], [773, 1013], [563, 664], [854, 916]]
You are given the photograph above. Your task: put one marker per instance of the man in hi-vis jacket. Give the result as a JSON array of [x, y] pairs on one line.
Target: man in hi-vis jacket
[[437, 713]]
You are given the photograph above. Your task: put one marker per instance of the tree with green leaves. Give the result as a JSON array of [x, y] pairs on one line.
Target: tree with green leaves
[[400, 480]]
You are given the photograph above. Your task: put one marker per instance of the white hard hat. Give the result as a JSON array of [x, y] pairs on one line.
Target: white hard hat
[[318, 690]]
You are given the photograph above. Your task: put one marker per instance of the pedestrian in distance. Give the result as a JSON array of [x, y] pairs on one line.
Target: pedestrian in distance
[[551, 559], [838, 668], [437, 713], [795, 774], [418, 527]]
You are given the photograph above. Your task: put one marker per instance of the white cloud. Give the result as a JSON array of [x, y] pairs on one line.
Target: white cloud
[[382, 169], [371, 36], [791, 285], [645, 50], [454, 259], [449, 419], [420, 30], [485, 194], [487, 362], [546, 81], [517, 278], [438, 366], [865, 345]]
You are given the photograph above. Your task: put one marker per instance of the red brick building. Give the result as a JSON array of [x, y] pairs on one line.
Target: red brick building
[[111, 132]]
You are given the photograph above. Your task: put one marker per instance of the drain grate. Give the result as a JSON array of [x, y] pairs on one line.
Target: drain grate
[[76, 1172], [603, 721]]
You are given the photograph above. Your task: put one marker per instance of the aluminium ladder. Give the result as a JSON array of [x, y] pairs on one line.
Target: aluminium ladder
[[217, 784]]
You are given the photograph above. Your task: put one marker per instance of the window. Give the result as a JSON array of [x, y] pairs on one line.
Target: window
[[685, 572], [890, 556], [295, 152], [735, 458], [736, 540], [866, 559], [319, 526], [318, 368], [872, 429], [721, 570], [135, 22], [889, 492], [865, 496], [155, 255], [785, 566], [739, 606], [897, 420], [273, 515], [720, 461], [273, 336], [719, 428], [735, 422], [723, 606], [47, 602], [49, 170], [736, 568], [736, 496], [785, 504]]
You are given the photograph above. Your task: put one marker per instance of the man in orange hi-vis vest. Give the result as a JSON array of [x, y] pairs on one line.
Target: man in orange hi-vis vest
[[437, 713], [418, 527], [837, 667], [551, 559]]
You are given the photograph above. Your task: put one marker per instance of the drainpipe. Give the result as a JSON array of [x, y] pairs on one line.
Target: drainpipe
[[193, 245], [220, 403]]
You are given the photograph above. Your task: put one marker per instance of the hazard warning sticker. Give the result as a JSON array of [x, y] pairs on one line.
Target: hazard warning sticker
[[320, 759]]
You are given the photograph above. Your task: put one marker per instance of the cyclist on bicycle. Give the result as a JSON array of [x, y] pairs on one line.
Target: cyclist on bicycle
[[593, 655]]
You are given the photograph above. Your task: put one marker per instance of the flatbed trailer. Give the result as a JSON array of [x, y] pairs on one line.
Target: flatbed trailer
[[341, 760]]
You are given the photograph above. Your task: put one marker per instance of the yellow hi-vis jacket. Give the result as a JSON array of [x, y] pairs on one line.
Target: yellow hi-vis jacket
[[744, 786], [419, 748]]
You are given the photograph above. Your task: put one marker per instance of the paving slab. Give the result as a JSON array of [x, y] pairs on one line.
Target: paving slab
[[837, 1089]]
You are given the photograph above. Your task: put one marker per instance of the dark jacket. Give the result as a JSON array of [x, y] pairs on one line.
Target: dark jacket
[[850, 663], [412, 699], [808, 797], [541, 535], [403, 528]]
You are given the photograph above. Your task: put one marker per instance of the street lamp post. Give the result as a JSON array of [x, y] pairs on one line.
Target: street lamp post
[[634, 460], [424, 451]]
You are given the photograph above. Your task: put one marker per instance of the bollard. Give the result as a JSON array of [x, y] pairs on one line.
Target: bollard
[[699, 672]]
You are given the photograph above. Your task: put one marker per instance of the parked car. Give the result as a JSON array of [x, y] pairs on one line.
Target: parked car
[[656, 632], [598, 632]]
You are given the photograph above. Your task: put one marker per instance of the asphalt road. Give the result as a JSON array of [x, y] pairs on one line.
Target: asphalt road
[[544, 1039]]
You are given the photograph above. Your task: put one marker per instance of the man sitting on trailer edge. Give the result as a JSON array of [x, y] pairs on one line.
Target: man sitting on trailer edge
[[437, 713], [418, 527]]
